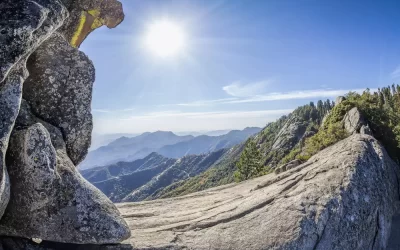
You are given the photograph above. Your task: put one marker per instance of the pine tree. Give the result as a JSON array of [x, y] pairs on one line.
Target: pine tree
[[249, 164]]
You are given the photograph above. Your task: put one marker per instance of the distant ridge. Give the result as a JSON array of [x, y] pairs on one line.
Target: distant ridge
[[165, 143]]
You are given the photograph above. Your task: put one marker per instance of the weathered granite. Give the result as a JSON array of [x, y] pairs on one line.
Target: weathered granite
[[59, 90], [50, 200], [353, 121], [88, 15], [342, 198], [23, 26]]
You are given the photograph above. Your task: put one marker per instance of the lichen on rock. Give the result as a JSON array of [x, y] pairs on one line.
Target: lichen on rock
[[88, 15], [59, 89], [50, 200]]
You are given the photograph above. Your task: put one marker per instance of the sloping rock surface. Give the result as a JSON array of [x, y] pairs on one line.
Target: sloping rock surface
[[342, 198]]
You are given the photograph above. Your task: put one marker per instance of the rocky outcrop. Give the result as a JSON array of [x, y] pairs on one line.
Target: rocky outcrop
[[365, 130], [342, 198], [43, 194], [339, 99], [44, 180], [290, 134], [59, 90], [23, 26], [88, 15], [353, 121]]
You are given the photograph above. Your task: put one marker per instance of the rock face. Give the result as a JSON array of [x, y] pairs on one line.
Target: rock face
[[23, 26], [88, 15], [50, 200], [43, 195], [59, 90], [290, 134], [342, 198], [353, 121]]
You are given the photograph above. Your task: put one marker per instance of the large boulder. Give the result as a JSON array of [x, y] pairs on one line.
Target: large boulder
[[59, 89], [10, 98], [50, 200], [342, 198], [24, 25], [353, 121]]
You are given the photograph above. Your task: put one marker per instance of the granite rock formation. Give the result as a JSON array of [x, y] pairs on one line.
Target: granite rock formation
[[344, 197], [45, 124]]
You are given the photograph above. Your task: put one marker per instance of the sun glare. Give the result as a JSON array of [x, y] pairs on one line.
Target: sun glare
[[165, 38]]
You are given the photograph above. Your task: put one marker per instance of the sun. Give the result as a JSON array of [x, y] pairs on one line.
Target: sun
[[165, 38]]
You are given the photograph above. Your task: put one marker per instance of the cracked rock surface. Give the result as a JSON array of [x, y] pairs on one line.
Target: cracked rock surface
[[342, 198], [59, 90], [50, 200], [45, 125]]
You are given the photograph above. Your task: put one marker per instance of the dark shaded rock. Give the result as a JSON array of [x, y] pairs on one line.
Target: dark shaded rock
[[353, 121], [10, 98], [59, 90], [50, 200], [23, 26], [343, 198], [88, 15], [365, 130]]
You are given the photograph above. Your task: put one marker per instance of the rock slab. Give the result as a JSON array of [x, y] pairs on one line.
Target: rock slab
[[342, 198]]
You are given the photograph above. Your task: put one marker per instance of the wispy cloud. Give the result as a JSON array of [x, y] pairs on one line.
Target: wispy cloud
[[209, 115], [207, 102], [318, 93], [239, 89], [307, 94], [396, 73]]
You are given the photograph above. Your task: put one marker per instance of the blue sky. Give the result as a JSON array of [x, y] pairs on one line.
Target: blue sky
[[245, 63]]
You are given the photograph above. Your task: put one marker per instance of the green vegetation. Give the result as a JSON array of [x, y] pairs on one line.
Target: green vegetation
[[380, 109], [279, 141], [325, 137], [249, 164]]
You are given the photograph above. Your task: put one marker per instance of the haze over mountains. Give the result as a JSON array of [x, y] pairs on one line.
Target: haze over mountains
[[144, 178], [165, 143]]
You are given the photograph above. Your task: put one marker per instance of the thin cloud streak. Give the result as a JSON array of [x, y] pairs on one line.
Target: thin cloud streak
[[318, 93], [238, 89], [297, 95], [208, 115]]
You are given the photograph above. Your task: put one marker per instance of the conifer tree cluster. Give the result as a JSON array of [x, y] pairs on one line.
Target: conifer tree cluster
[[249, 164]]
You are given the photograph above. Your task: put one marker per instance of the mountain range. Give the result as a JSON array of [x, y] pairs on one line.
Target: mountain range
[[165, 143], [143, 179]]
